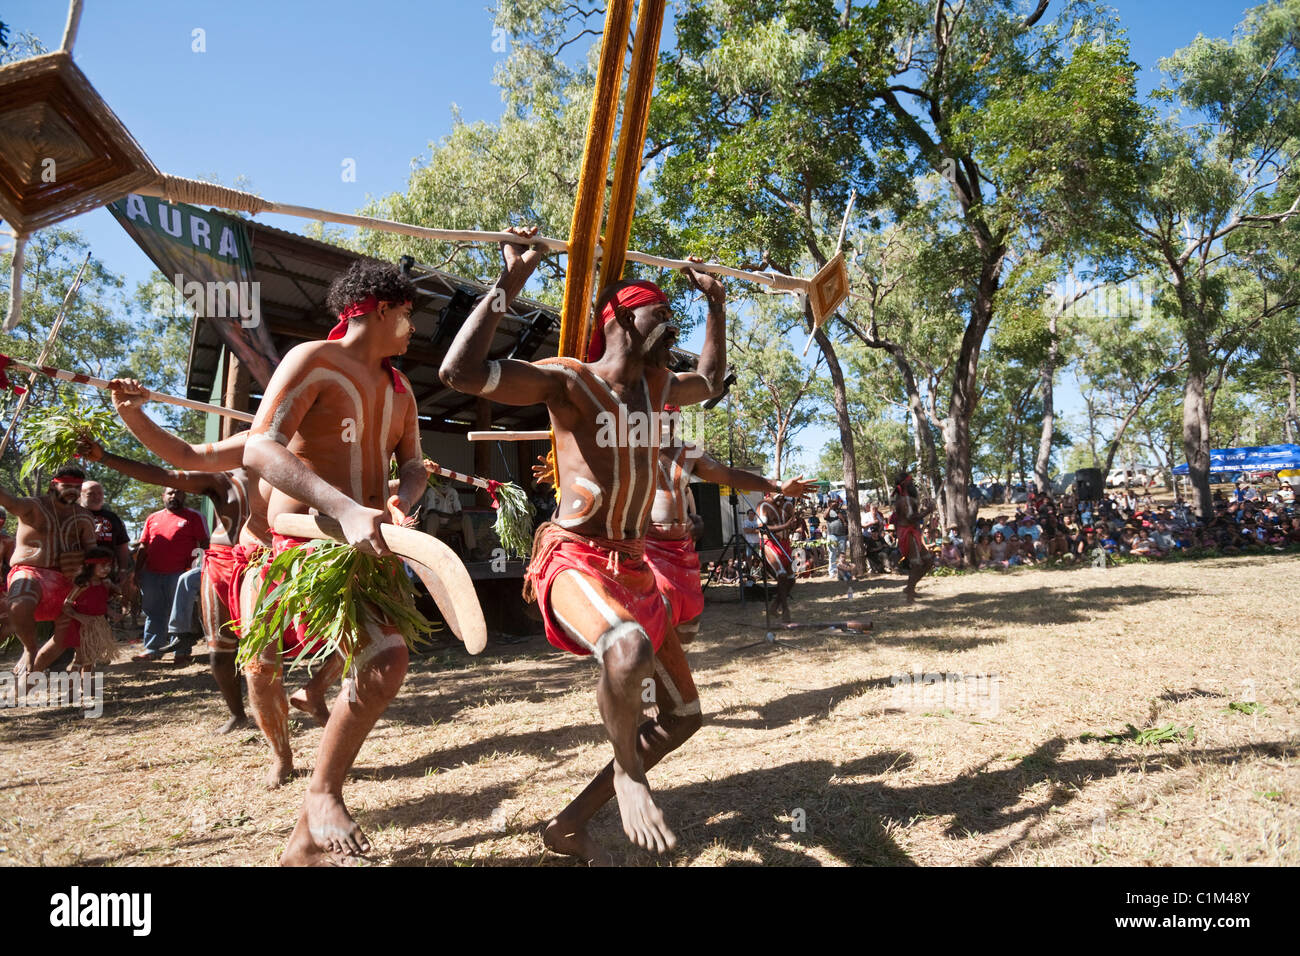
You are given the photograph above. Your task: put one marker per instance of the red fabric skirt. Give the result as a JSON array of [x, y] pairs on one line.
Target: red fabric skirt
[[225, 565], [778, 556], [907, 532], [629, 581], [55, 588], [676, 567]]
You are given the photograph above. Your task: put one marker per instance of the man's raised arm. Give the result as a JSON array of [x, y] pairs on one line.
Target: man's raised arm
[[712, 470], [198, 483], [467, 366], [689, 388], [129, 399], [16, 506]]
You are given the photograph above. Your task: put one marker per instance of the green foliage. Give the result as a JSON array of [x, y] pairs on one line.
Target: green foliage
[[776, 391], [514, 524], [52, 434], [1168, 734], [1245, 707], [332, 589]]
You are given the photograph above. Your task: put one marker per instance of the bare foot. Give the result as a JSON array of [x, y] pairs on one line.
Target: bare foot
[[236, 722], [314, 706], [302, 849], [331, 827], [909, 595], [280, 771], [575, 842], [24, 664], [642, 821]]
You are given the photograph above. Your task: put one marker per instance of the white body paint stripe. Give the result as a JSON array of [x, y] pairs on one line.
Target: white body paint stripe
[[321, 373], [615, 634]]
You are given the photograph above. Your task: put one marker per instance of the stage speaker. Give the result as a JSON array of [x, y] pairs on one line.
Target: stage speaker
[[708, 505], [1089, 484]]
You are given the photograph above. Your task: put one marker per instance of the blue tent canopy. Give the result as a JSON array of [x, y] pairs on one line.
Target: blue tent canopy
[[1251, 458]]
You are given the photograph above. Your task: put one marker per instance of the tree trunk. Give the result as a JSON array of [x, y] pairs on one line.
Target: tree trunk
[[840, 399], [1044, 460], [1292, 417], [956, 432], [923, 435], [1196, 437]]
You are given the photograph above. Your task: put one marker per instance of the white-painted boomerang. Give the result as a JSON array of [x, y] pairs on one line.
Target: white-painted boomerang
[[437, 566]]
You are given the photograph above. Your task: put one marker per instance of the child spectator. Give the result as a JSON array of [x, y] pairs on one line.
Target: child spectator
[[87, 629], [844, 570]]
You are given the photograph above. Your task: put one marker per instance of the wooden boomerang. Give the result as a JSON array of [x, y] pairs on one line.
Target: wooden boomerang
[[436, 565]]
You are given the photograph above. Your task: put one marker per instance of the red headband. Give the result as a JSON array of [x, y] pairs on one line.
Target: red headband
[[632, 295], [357, 309], [99, 561], [67, 480]]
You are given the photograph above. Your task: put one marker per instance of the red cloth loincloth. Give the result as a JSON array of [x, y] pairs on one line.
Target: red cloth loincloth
[[294, 638], [55, 588], [676, 567], [908, 532], [225, 565], [778, 556], [616, 564]]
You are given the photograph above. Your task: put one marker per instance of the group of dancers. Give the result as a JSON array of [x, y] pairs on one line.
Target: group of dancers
[[615, 572]]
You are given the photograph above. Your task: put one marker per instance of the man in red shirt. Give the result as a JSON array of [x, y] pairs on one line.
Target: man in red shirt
[[172, 538]]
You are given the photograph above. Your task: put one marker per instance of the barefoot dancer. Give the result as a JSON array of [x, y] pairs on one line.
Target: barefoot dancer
[[334, 415], [777, 515], [54, 532], [596, 592], [907, 519], [670, 552]]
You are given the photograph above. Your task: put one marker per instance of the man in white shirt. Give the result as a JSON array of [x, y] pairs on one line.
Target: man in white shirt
[[749, 528], [446, 517]]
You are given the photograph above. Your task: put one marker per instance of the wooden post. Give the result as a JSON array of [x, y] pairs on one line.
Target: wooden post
[[483, 450], [237, 380]]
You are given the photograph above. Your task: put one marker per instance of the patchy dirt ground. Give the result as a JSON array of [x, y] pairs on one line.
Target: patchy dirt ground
[[1141, 714]]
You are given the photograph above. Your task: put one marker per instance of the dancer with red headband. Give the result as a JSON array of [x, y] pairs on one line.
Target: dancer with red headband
[[907, 518], [670, 552], [54, 532], [597, 593], [776, 514], [334, 415]]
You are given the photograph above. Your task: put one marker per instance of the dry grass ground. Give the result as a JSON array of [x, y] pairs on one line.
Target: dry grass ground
[[818, 755]]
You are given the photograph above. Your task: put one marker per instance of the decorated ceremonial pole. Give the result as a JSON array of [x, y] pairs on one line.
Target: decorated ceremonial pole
[[79, 378], [514, 524], [196, 192]]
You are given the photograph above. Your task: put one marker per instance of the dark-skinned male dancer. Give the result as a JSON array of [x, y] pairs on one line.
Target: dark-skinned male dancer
[[596, 591]]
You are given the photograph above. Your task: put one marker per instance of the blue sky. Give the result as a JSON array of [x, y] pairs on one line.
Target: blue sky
[[286, 91]]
